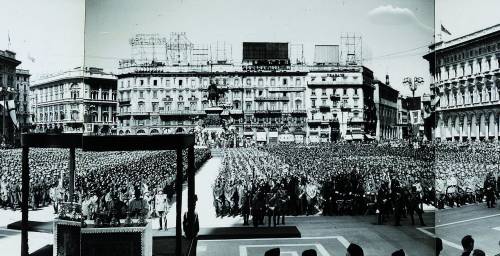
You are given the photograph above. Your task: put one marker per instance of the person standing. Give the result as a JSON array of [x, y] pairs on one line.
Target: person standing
[[161, 206], [415, 203], [138, 206]]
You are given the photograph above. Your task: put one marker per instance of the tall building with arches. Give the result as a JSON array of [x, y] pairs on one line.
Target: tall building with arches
[[465, 78]]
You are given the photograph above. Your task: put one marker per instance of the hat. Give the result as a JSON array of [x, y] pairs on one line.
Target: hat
[[355, 250]]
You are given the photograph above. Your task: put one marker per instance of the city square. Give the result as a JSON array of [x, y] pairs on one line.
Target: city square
[[147, 134]]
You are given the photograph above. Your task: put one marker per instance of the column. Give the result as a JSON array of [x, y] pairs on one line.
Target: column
[[487, 126], [496, 123], [178, 196], [469, 127], [478, 127], [461, 128], [24, 202]]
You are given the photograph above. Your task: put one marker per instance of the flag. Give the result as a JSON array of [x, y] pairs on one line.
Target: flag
[[443, 29], [11, 109], [8, 36]]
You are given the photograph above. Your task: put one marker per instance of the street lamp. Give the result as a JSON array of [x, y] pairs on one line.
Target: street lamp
[[413, 85], [343, 108]]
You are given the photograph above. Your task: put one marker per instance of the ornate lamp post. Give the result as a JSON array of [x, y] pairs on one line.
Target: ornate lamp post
[[343, 108], [413, 85]]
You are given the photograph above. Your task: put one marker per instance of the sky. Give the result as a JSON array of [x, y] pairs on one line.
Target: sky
[[56, 35]]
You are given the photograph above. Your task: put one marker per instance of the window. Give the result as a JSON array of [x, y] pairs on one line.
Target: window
[[297, 82], [323, 92], [261, 82], [141, 94], [141, 82], [167, 83], [285, 81], [154, 106], [345, 91], [260, 93], [273, 82], [180, 83], [155, 82], [249, 82], [155, 94], [313, 103]]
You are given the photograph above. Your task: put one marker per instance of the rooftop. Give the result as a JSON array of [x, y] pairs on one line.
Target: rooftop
[[76, 73], [466, 38]]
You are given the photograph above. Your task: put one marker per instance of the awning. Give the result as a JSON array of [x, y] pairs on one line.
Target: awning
[[348, 137], [369, 137], [357, 136]]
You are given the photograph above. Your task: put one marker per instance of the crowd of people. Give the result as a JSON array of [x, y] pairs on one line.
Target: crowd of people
[[336, 179], [467, 173], [101, 177]]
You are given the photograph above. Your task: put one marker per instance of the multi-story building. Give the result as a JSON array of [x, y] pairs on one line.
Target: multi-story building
[[8, 64], [82, 100], [465, 76], [340, 103], [265, 99], [22, 99], [258, 104], [403, 124], [386, 103]]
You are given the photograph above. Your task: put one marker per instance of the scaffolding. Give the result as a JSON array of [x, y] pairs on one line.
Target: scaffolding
[[148, 48], [221, 53], [297, 54], [200, 55], [179, 49], [351, 51]]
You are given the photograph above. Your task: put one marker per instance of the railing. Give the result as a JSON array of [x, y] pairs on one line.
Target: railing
[[270, 98]]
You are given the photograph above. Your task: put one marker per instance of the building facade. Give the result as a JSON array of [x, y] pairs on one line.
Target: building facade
[[259, 106], [386, 103], [340, 103], [297, 104], [265, 99], [8, 64], [465, 77], [82, 100], [403, 124], [22, 99]]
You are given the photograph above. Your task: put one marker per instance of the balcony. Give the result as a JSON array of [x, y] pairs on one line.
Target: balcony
[[140, 113], [124, 101], [324, 108], [282, 98], [287, 89], [182, 112]]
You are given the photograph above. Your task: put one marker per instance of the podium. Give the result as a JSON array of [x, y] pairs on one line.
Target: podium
[[70, 238]]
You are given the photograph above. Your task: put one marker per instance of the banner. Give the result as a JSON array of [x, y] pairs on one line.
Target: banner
[[11, 109]]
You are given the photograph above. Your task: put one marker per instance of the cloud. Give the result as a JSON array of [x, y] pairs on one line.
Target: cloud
[[394, 16]]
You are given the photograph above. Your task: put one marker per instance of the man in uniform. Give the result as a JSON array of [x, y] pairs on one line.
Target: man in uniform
[[138, 206], [161, 206], [414, 206]]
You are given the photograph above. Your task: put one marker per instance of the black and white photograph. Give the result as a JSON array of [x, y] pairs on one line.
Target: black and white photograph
[[250, 128]]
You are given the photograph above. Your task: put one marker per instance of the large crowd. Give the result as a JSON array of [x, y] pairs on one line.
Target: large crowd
[[100, 178], [390, 178], [467, 173]]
